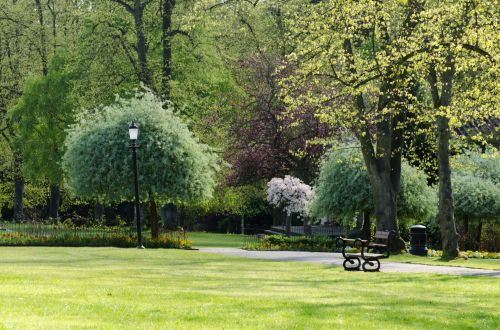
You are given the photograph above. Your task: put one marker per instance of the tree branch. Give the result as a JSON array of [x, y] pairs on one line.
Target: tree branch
[[479, 50], [128, 7], [184, 33]]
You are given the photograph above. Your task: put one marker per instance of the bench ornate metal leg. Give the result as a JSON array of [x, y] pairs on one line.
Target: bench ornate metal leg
[[371, 265], [352, 263]]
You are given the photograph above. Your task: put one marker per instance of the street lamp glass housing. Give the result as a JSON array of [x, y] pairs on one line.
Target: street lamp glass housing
[[133, 131]]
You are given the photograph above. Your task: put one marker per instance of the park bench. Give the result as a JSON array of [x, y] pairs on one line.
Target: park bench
[[370, 252]]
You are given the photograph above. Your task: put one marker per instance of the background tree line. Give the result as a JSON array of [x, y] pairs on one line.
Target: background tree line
[[271, 85]]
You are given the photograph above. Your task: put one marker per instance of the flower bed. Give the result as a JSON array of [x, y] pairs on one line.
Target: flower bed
[[326, 244], [171, 240], [468, 254], [302, 243]]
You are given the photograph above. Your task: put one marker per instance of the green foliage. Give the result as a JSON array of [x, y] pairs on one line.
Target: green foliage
[[476, 198], [417, 201], [343, 186], [173, 165], [343, 189], [484, 165], [246, 200], [283, 243], [74, 239], [468, 254], [40, 118], [476, 187]]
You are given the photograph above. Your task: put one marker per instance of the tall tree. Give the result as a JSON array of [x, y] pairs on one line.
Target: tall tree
[[167, 33], [461, 69], [136, 9], [40, 118], [353, 56], [187, 166]]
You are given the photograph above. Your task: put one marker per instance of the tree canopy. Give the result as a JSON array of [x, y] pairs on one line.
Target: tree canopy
[[343, 189], [40, 117], [173, 164]]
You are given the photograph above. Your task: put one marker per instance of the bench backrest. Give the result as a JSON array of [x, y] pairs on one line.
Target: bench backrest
[[384, 235]]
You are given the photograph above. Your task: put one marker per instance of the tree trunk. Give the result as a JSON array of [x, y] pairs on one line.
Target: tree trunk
[[446, 217], [169, 216], [52, 8], [18, 198], [384, 200], [384, 170], [307, 227], [465, 237], [288, 225], [478, 235], [141, 48], [98, 212], [154, 221], [167, 9], [242, 225], [43, 41], [55, 198], [449, 235], [366, 231]]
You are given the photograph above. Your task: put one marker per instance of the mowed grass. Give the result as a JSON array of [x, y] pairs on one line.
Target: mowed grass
[[110, 288], [202, 239], [493, 264]]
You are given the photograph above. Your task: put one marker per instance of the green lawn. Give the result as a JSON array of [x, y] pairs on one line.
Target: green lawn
[[201, 239], [109, 288], [471, 262]]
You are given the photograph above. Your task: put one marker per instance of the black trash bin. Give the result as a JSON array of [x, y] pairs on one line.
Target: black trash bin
[[418, 240]]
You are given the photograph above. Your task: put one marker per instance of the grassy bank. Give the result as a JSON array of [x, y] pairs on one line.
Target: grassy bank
[[202, 239], [110, 288], [493, 264]]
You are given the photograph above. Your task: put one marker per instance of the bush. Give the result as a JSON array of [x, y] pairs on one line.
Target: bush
[[173, 165], [468, 254], [168, 241], [297, 243], [343, 189]]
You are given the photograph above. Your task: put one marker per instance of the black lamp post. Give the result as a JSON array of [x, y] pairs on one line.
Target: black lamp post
[[133, 132]]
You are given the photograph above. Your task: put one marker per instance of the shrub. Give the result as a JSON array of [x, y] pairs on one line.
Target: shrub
[[171, 240], [467, 254], [343, 189], [173, 164], [297, 243]]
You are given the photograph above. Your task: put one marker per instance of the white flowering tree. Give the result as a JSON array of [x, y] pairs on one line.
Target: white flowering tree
[[290, 194]]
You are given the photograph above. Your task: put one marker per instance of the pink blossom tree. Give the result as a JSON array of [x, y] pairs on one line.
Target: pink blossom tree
[[290, 194]]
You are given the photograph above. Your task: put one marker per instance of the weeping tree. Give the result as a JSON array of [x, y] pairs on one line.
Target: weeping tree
[[173, 165], [476, 193], [343, 190]]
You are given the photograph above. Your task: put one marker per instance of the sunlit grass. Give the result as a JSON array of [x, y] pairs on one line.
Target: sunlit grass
[[202, 239], [109, 288], [493, 264]]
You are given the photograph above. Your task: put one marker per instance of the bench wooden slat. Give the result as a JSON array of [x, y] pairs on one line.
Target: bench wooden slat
[[382, 234], [377, 245], [367, 255], [371, 260]]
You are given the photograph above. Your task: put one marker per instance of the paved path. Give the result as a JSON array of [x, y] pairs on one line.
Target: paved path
[[336, 259]]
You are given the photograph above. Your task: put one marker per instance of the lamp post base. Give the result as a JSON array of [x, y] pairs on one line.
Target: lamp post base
[[140, 247]]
